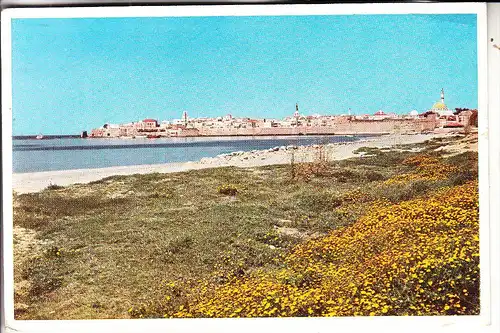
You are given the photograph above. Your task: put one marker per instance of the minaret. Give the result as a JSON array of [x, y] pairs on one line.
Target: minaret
[[442, 95], [185, 118], [296, 114]]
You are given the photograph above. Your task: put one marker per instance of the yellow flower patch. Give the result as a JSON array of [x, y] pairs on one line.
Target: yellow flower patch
[[427, 168], [418, 257]]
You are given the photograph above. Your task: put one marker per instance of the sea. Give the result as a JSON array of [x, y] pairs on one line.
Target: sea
[[48, 154]]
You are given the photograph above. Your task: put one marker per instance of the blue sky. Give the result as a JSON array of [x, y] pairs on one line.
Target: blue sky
[[71, 75]]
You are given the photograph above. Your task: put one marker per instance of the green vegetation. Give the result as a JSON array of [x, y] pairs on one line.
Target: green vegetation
[[53, 187], [228, 189], [114, 244]]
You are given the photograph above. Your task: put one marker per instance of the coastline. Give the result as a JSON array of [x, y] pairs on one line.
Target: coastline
[[37, 181]]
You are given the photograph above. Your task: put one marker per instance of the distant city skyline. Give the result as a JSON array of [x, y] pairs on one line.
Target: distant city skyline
[[71, 75]]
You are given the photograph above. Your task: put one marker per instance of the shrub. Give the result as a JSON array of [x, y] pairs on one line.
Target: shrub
[[382, 159], [344, 175], [463, 177], [318, 201], [400, 191], [40, 273], [228, 189], [40, 211], [159, 194], [54, 187], [466, 161], [179, 244], [419, 187], [275, 239], [374, 176], [306, 171], [337, 218]]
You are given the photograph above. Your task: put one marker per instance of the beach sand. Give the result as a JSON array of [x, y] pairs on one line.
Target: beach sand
[[36, 181]]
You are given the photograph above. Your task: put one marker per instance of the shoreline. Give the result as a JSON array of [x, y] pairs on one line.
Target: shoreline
[[52, 137], [37, 181]]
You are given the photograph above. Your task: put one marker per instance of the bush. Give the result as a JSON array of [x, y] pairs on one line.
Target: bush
[[318, 201], [159, 194], [468, 159], [463, 177], [228, 189], [179, 244], [397, 192], [40, 211], [345, 175], [419, 187], [54, 187], [41, 274], [374, 176], [335, 219], [306, 171]]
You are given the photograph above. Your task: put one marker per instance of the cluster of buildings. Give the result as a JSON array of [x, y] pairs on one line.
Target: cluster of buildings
[[439, 116]]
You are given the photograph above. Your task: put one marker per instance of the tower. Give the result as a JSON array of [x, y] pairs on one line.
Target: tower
[[442, 95], [296, 114], [185, 118]]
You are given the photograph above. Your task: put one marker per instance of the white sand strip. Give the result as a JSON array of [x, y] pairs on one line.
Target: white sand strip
[[36, 181]]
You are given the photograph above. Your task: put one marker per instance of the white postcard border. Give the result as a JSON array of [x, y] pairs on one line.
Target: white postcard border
[[452, 324]]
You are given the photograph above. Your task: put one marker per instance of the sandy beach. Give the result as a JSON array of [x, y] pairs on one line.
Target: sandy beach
[[36, 181]]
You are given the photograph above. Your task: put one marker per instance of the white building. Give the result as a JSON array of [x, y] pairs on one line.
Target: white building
[[440, 107], [413, 114]]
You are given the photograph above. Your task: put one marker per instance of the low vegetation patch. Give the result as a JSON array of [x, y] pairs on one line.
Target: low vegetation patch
[[311, 239], [54, 187], [307, 171], [419, 257], [228, 189]]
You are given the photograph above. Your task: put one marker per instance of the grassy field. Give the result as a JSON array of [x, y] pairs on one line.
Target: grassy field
[[133, 246]]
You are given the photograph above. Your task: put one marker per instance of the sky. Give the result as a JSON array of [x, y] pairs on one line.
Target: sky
[[76, 74]]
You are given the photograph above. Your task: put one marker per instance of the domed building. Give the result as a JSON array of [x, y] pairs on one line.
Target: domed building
[[440, 107]]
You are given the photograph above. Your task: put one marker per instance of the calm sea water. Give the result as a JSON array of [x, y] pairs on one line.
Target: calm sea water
[[65, 154]]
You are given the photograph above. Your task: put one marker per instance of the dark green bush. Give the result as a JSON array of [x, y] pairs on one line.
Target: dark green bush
[[404, 191], [466, 159], [463, 177], [54, 187], [318, 201], [373, 176], [345, 175]]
